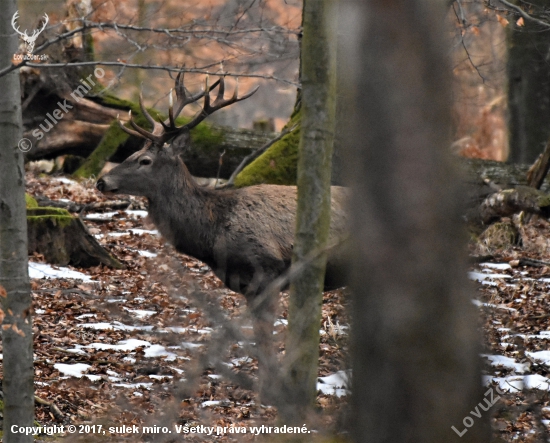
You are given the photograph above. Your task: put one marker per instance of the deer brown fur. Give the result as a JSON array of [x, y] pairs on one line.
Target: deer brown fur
[[245, 235]]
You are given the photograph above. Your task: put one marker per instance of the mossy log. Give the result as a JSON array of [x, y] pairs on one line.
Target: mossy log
[[277, 165], [489, 174], [511, 201], [64, 239]]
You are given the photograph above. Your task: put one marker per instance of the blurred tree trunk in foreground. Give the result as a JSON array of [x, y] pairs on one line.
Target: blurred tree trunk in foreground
[[528, 86], [414, 339], [17, 363]]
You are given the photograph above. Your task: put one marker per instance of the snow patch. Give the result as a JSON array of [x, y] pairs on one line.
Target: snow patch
[[160, 351], [43, 270], [482, 278], [543, 356], [123, 345], [205, 404], [334, 384], [140, 313], [516, 383], [147, 254], [116, 326], [507, 362], [66, 180], [160, 377], [500, 266], [134, 385], [74, 370]]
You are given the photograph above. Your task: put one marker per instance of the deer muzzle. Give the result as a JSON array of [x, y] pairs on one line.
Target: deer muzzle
[[104, 186]]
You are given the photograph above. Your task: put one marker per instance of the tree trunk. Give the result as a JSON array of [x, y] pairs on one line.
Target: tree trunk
[[318, 79], [414, 342], [18, 371], [528, 87], [64, 239]]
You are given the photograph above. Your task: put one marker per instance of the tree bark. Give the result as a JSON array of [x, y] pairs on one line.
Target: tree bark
[[414, 341], [318, 79], [64, 239], [15, 297], [528, 87]]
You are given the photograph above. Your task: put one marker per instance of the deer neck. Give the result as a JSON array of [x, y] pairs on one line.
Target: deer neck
[[185, 214]]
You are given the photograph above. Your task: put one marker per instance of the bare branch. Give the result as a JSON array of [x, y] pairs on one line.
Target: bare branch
[[13, 67], [524, 14], [462, 20]]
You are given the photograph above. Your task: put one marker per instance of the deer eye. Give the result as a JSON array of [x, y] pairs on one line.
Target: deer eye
[[145, 161]]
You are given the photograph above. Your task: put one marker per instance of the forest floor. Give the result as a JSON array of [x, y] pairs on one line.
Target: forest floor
[[514, 302], [161, 343]]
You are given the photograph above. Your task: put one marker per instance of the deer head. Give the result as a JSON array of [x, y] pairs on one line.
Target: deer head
[[29, 39], [139, 174]]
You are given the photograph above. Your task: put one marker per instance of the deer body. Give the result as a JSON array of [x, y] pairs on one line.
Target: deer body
[[245, 235]]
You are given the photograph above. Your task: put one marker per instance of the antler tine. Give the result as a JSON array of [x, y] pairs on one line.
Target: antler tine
[[125, 129], [183, 98], [46, 21], [249, 94], [144, 111], [171, 120], [221, 90], [219, 103], [206, 104], [15, 27], [163, 131], [157, 127], [138, 131]]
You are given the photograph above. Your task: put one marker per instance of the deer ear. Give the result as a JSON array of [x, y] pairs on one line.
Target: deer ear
[[180, 143]]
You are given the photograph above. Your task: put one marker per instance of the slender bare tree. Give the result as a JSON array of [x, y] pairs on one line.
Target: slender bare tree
[[17, 363], [318, 79]]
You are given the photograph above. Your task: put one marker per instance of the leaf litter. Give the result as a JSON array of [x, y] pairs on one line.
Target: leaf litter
[[160, 341]]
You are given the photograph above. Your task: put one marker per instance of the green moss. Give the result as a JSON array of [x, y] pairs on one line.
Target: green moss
[[277, 165], [543, 200], [204, 137], [498, 236], [113, 138], [30, 201], [60, 217]]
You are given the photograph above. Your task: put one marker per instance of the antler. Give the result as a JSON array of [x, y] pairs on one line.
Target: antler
[[13, 24], [163, 131], [37, 32], [219, 103]]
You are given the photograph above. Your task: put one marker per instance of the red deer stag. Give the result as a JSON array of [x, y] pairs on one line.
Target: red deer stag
[[245, 235]]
